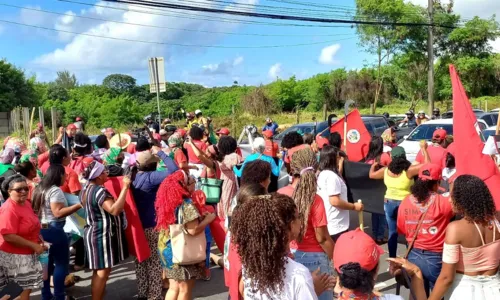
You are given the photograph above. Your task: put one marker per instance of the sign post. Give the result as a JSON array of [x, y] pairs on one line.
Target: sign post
[[157, 79]]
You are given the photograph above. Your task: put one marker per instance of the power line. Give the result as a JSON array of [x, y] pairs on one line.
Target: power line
[[169, 28], [185, 15], [174, 44], [272, 16]]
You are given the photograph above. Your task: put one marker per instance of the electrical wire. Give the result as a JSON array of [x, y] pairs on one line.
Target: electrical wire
[[272, 16], [169, 28], [175, 44]]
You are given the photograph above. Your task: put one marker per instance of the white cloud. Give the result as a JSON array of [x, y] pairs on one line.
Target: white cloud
[[327, 56], [222, 68], [86, 55], [275, 71]]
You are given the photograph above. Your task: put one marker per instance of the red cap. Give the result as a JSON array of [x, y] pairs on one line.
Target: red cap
[[157, 136], [182, 132], [321, 141], [267, 133], [439, 134], [224, 131], [452, 149], [71, 126], [78, 119], [358, 247], [434, 172]]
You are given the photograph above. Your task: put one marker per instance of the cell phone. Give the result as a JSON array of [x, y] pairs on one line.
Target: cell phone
[[12, 289]]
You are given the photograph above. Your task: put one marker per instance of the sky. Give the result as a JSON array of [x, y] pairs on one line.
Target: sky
[[197, 47]]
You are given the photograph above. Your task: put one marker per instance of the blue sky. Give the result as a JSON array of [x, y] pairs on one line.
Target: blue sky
[[43, 52]]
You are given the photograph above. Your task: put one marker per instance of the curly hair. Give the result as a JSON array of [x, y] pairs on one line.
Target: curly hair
[[249, 190], [303, 167], [292, 139], [261, 229], [170, 195], [256, 172], [422, 189], [355, 278], [227, 145], [472, 198], [196, 133], [82, 140], [398, 165]]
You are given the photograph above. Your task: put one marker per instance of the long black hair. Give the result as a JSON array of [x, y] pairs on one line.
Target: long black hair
[[53, 177], [328, 159], [375, 149], [450, 161]]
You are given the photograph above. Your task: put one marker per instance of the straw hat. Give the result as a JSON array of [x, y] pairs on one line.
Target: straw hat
[[121, 140]]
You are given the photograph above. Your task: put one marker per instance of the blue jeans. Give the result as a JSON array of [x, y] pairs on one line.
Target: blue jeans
[[313, 260], [379, 224], [391, 214], [58, 260], [429, 263]]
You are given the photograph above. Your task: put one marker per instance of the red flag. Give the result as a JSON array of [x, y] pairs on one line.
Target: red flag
[[358, 137], [136, 239], [470, 159]]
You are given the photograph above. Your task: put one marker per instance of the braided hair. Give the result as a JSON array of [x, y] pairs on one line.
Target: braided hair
[[303, 168]]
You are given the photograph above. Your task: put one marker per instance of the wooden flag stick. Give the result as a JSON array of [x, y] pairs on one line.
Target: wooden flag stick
[[360, 218]]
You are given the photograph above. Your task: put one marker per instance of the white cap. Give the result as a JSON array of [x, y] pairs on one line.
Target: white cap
[[259, 144], [197, 112]]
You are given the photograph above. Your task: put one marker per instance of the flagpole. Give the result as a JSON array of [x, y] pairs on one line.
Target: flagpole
[[346, 111]]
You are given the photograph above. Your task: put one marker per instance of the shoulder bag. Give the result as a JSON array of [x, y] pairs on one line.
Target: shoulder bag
[[212, 187], [187, 249]]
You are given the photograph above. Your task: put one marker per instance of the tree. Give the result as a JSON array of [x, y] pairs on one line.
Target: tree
[[410, 77], [66, 80], [15, 89], [257, 102], [119, 83], [57, 92]]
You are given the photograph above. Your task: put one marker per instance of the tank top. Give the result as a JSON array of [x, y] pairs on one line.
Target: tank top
[[397, 187]]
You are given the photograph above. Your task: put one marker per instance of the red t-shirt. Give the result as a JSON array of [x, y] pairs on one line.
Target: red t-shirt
[[436, 153], [42, 158], [234, 273], [71, 184], [271, 149], [193, 159], [20, 220], [290, 152], [317, 218], [433, 229], [180, 157], [77, 165]]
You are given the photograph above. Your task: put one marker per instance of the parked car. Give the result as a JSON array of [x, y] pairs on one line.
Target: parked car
[[411, 143], [375, 124], [490, 118], [490, 131], [449, 114]]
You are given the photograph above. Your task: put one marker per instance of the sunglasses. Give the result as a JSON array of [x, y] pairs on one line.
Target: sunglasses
[[21, 189]]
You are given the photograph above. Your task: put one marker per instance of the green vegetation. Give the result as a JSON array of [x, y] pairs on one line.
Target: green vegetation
[[394, 82]]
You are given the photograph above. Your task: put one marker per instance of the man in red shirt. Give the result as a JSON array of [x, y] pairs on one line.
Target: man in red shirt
[[59, 155], [271, 147], [436, 150]]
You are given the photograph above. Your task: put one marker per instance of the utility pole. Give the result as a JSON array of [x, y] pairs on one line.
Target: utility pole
[[430, 56]]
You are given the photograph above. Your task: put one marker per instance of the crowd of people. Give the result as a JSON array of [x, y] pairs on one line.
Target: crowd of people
[[191, 187]]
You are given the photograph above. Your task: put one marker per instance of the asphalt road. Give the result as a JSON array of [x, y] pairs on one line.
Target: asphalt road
[[122, 284]]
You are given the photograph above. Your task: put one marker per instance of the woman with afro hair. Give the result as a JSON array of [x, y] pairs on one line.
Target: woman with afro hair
[[472, 245], [268, 271], [177, 192]]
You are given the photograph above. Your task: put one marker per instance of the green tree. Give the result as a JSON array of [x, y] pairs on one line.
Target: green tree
[[15, 89], [66, 80], [57, 92], [119, 83]]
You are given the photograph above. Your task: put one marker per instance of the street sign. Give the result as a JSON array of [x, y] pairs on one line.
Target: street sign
[[157, 74]]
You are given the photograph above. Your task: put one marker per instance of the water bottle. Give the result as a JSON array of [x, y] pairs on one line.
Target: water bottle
[[44, 261]]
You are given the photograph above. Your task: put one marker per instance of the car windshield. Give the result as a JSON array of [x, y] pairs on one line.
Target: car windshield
[[425, 131], [302, 128], [488, 133]]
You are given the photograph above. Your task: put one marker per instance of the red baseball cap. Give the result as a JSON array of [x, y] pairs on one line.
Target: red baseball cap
[[71, 126], [224, 131], [430, 172], [321, 141], [182, 132], [439, 134], [357, 247], [452, 149], [267, 133]]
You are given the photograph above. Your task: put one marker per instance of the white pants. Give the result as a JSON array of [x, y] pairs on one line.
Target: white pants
[[474, 287]]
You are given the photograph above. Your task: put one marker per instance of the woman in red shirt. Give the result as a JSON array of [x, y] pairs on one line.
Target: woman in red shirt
[[427, 250], [19, 238], [314, 247]]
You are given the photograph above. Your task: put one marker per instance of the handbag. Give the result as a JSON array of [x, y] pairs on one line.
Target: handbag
[[403, 278], [187, 249], [212, 188]]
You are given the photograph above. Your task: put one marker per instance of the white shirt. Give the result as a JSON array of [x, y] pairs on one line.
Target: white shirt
[[330, 184], [491, 148], [298, 285]]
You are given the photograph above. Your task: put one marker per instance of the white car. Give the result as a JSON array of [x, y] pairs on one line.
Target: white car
[[411, 143]]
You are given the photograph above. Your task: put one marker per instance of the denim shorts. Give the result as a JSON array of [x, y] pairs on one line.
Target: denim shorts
[[313, 261]]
